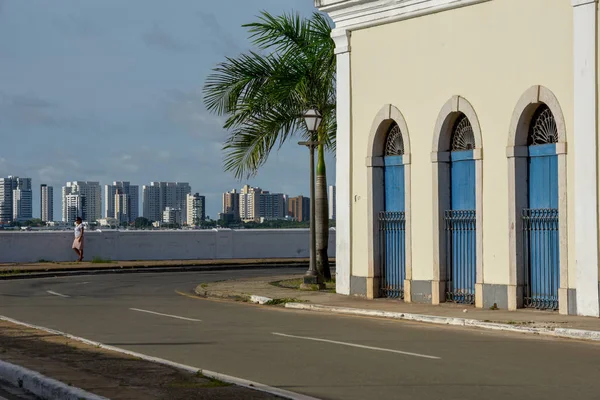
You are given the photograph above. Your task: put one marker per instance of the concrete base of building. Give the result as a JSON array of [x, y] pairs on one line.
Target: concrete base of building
[[572, 301], [358, 286], [420, 291], [495, 295]]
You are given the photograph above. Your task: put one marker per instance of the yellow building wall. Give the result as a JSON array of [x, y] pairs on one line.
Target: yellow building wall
[[490, 54]]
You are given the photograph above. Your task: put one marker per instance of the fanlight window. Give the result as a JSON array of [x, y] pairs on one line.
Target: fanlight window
[[543, 127], [462, 135], [394, 145]]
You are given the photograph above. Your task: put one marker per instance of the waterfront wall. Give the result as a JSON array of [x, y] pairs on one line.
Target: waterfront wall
[[24, 247]]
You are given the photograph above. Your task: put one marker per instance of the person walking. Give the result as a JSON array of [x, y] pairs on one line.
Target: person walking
[[78, 242]]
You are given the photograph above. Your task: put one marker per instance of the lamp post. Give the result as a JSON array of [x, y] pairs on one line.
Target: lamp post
[[312, 278]]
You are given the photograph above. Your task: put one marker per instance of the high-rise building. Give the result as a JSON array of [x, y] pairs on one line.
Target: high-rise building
[[90, 200], [299, 208], [16, 203], [231, 204], [46, 203], [122, 207], [255, 203], [196, 209], [74, 205], [171, 215], [6, 203], [272, 205], [22, 199], [250, 203], [126, 189], [159, 195], [331, 202]]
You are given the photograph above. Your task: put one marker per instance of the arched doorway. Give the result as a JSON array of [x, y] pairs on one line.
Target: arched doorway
[[389, 205], [538, 234], [392, 221], [540, 216], [457, 205], [460, 218]]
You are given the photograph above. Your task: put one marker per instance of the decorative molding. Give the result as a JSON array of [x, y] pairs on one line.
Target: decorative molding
[[358, 14], [577, 3]]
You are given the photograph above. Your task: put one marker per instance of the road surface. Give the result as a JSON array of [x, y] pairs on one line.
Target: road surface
[[326, 356]]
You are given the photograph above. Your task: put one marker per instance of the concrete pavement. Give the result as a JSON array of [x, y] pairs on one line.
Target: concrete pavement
[[325, 356], [262, 286]]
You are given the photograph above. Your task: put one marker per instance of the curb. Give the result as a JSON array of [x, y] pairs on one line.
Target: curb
[[432, 319], [210, 374], [31, 274], [42, 386]]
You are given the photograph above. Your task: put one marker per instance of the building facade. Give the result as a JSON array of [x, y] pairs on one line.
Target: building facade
[[299, 208], [16, 203], [331, 202], [46, 203], [74, 205], [126, 189], [231, 204], [159, 195], [171, 215], [86, 198], [467, 151], [22, 199], [122, 207], [250, 203], [196, 209]]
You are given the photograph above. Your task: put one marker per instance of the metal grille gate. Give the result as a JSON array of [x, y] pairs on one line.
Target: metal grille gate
[[460, 227], [541, 258], [392, 249]]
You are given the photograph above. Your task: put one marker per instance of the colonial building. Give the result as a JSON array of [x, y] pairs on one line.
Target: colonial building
[[467, 151]]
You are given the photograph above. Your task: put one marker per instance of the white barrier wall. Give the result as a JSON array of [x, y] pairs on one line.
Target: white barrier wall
[[24, 247]]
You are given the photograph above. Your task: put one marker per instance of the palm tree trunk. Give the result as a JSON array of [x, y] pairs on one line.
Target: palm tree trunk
[[322, 217]]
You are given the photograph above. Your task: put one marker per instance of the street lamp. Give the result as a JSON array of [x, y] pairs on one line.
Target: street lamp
[[312, 278]]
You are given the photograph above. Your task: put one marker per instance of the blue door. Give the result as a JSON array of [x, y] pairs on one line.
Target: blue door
[[540, 224], [461, 229], [392, 229]]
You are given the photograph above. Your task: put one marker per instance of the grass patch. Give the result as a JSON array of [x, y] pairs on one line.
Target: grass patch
[[203, 285], [100, 260], [283, 300], [44, 261], [295, 284]]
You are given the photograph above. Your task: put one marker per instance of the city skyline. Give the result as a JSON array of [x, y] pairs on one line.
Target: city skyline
[[134, 197], [146, 120]]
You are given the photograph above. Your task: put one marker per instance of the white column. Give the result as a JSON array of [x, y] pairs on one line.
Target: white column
[[343, 179], [585, 155]]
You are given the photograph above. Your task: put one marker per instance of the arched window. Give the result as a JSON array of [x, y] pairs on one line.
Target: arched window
[[394, 145], [462, 135], [543, 128]]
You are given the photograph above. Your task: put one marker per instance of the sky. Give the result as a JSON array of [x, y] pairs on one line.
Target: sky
[[111, 90]]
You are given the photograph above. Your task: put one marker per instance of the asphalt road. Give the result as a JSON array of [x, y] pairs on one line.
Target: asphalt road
[[326, 356]]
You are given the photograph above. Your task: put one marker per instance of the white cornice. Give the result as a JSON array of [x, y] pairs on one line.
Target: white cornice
[[357, 14]]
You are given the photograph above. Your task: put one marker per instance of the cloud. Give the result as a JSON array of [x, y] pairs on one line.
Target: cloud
[[161, 39], [221, 40], [76, 26], [187, 109], [24, 110]]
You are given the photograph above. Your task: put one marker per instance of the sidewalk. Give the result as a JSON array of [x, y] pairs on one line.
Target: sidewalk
[[526, 320]]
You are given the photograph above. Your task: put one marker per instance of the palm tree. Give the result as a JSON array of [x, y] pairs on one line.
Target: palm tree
[[264, 93]]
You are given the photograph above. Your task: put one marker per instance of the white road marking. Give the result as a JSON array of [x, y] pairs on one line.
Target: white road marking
[[56, 294], [166, 315], [359, 346]]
